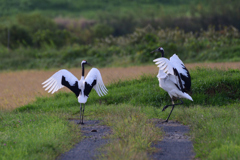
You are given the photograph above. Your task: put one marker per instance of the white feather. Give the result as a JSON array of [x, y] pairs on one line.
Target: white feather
[[178, 64], [53, 84], [165, 65], [56, 79], [94, 74]]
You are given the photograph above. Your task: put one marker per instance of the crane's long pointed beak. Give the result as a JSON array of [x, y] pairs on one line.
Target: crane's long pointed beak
[[154, 51], [89, 64]]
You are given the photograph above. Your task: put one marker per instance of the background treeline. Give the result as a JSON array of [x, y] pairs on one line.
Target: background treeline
[[131, 49], [32, 22], [59, 32]]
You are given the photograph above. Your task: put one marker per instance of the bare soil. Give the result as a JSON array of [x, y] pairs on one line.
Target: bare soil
[[21, 87]]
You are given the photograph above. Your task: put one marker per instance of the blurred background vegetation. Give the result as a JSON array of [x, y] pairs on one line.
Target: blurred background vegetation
[[58, 33]]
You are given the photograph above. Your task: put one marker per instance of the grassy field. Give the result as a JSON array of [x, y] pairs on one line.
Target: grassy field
[[21, 87], [212, 117], [121, 35]]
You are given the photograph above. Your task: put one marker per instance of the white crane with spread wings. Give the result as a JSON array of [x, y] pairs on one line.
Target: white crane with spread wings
[[173, 77], [81, 87]]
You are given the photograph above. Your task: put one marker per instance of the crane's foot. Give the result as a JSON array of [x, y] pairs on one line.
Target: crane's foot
[[166, 121], [165, 108], [80, 123]]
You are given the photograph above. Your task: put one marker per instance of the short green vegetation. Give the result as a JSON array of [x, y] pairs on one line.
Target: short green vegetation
[[35, 135], [41, 129]]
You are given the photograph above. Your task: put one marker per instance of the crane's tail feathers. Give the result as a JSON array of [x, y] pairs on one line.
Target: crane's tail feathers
[[187, 96]]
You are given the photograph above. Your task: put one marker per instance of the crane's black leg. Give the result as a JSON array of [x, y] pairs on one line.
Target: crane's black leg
[[171, 110], [173, 105], [179, 103], [81, 114], [168, 105], [170, 113]]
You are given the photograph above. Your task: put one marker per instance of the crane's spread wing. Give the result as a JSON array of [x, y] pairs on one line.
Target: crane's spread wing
[[94, 80], [60, 79], [165, 65], [183, 72], [168, 68]]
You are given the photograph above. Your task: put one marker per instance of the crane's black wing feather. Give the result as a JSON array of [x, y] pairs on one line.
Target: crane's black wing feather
[[74, 88], [186, 79], [180, 86], [88, 87]]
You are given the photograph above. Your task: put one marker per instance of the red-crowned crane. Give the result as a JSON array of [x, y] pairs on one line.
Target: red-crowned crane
[[81, 87], [173, 77]]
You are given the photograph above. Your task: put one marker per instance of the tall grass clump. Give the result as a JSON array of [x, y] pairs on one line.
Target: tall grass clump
[[133, 133]]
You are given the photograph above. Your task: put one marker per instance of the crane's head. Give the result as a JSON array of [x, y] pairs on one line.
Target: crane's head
[[160, 49], [85, 62]]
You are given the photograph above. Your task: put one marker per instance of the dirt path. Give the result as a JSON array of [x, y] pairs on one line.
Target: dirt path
[[87, 149], [20, 88], [176, 144]]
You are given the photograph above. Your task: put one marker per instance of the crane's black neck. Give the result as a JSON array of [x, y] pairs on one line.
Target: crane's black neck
[[83, 69], [162, 53]]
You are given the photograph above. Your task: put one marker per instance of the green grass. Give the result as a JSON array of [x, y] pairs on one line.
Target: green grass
[[215, 130], [35, 135], [133, 133], [212, 117]]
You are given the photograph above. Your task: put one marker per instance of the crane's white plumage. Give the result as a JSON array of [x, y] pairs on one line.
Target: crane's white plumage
[[81, 87], [178, 64], [168, 67], [100, 88], [168, 82], [173, 77], [54, 83]]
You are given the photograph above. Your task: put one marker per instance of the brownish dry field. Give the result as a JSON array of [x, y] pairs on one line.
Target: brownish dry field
[[19, 88]]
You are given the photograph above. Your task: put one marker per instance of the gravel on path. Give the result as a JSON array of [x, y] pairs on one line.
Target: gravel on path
[[176, 144]]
